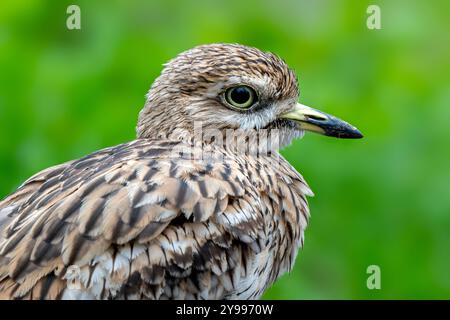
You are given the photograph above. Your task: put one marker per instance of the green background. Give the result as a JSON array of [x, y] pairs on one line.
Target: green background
[[383, 200]]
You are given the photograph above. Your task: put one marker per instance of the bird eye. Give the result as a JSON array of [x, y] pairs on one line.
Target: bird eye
[[241, 97]]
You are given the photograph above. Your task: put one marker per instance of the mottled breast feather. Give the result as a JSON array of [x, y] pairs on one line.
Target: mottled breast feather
[[151, 220]]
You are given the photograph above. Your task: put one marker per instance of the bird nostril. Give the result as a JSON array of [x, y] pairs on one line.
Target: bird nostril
[[317, 118]]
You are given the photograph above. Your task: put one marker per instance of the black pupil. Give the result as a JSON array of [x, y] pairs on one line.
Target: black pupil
[[240, 95]]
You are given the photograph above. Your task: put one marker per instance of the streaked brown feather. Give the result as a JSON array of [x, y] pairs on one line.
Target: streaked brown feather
[[119, 206]]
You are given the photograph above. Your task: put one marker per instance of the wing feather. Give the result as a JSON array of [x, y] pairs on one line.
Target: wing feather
[[137, 220]]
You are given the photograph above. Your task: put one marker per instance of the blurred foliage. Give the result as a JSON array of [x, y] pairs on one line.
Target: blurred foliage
[[382, 200]]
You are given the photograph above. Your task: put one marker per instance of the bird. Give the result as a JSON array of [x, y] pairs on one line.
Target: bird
[[201, 205]]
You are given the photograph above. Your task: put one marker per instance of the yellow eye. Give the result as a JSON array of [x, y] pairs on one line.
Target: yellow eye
[[242, 97]]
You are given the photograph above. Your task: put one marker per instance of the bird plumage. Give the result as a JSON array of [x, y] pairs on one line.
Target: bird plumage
[[139, 221], [174, 214]]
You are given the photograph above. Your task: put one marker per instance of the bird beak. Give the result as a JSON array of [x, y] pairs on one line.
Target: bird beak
[[310, 119]]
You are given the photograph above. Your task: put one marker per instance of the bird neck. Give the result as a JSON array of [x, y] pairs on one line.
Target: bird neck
[[236, 141]]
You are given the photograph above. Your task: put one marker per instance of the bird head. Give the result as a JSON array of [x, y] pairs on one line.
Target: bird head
[[230, 86]]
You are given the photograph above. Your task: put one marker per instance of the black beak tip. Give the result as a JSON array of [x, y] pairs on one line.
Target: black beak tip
[[348, 133], [356, 134]]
